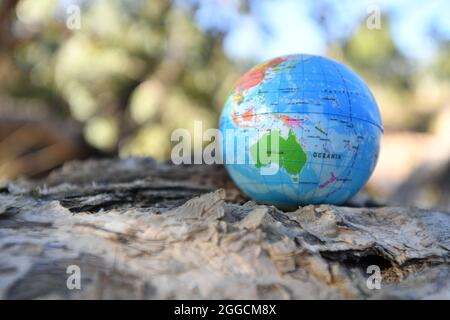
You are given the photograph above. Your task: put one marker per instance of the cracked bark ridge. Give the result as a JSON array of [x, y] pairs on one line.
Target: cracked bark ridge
[[142, 229]]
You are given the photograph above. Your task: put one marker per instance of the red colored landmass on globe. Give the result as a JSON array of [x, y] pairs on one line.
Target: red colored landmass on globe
[[256, 75], [288, 121], [248, 81], [245, 120], [330, 180]]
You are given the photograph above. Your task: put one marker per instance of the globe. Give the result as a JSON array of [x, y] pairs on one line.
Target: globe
[[300, 129]]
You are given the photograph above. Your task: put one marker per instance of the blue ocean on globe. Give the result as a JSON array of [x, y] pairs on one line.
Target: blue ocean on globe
[[322, 121]]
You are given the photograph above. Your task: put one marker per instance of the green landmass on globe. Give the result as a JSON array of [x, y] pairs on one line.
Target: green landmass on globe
[[291, 156]]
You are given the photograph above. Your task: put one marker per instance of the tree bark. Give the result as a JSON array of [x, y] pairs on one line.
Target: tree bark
[[137, 228]]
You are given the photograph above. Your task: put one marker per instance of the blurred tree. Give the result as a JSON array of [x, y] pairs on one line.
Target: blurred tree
[[373, 53], [441, 65], [131, 74], [136, 70]]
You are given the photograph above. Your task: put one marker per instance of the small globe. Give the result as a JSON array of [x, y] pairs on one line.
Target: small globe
[[300, 129]]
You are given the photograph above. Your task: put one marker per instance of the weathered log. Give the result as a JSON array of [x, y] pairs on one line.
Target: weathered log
[[142, 229]]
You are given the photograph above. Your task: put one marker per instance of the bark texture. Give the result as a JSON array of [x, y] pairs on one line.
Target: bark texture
[[142, 229]]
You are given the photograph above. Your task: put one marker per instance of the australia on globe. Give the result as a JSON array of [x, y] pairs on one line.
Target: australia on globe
[[300, 129]]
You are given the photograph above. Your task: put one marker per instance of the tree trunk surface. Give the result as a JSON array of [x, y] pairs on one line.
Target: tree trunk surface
[[142, 229]]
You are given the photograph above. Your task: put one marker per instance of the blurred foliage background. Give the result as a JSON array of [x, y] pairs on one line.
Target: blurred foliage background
[[132, 71]]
